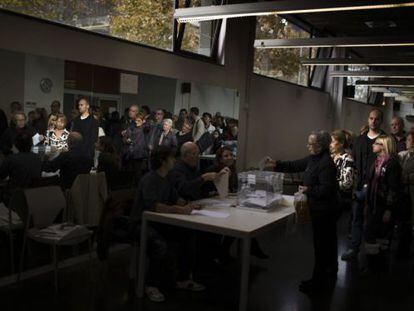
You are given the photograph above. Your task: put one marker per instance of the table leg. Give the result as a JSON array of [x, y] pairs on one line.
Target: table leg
[[245, 261], [142, 259]]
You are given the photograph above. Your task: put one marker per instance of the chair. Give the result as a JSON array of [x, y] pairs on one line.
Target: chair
[[44, 205], [15, 221], [114, 228], [86, 199]]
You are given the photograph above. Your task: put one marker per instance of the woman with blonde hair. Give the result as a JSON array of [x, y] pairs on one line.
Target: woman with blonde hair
[[383, 196], [58, 136]]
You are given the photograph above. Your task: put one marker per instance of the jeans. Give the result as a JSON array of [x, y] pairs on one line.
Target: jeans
[[358, 219]]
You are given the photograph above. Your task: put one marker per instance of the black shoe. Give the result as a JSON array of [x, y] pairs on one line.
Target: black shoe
[[310, 287]]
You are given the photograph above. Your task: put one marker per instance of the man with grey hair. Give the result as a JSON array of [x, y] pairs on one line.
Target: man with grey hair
[[320, 186], [167, 138], [186, 177], [397, 132]]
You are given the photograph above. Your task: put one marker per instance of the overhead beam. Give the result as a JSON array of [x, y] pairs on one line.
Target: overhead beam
[[387, 83], [357, 62], [373, 74], [208, 13], [335, 42]]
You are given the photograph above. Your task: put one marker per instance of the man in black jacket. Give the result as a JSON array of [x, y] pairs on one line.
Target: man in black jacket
[[87, 126], [70, 163], [320, 186], [364, 158]]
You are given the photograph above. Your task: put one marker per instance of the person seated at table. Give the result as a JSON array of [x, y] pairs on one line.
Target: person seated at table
[[18, 126], [57, 137], [155, 193], [21, 168], [70, 163], [225, 159], [186, 177]]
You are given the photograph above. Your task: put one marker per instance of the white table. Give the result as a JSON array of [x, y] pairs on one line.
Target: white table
[[242, 224]]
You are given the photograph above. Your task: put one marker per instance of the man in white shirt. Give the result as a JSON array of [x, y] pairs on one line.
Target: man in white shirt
[[198, 125]]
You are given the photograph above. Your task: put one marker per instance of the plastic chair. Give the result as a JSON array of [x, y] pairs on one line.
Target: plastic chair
[[44, 205], [17, 204]]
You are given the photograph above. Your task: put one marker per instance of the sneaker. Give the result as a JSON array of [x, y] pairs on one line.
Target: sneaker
[[349, 255], [191, 286], [154, 294]]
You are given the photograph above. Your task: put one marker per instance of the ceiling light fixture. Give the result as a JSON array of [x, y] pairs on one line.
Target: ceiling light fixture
[[214, 12], [324, 42], [374, 74], [386, 83], [357, 62]]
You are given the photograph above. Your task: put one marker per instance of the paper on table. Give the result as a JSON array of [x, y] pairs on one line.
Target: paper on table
[[222, 185], [210, 213], [36, 139]]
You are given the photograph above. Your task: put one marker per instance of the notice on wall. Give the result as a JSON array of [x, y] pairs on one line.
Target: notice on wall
[[129, 83]]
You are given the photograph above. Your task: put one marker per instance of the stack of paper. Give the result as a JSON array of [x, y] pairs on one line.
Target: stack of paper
[[208, 213], [63, 232], [222, 185]]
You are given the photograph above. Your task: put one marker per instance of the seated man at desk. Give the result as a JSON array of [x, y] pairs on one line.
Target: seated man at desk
[[156, 194], [190, 184], [70, 163]]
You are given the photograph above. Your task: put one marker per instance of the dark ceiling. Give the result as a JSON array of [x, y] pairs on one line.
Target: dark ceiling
[[386, 22]]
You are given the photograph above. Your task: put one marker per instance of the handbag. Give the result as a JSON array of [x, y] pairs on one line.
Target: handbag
[[300, 202]]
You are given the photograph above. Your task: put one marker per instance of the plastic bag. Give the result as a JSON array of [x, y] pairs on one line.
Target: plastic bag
[[302, 208]]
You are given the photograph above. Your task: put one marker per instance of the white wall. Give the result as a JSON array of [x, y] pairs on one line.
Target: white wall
[[280, 118], [208, 98], [356, 115], [406, 109], [38, 68], [11, 79]]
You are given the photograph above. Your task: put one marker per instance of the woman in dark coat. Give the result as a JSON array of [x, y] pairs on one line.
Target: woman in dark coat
[[383, 198], [167, 138], [19, 126], [320, 187], [136, 151]]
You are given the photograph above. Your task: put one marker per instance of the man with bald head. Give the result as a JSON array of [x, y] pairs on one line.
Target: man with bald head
[[70, 163], [397, 132], [186, 177]]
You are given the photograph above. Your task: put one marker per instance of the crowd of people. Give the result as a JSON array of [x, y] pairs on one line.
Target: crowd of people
[[108, 142], [142, 145], [371, 175]]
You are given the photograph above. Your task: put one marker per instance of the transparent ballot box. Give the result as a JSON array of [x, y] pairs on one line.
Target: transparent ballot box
[[260, 189]]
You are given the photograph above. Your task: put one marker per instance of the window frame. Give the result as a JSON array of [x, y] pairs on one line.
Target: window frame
[[310, 30]]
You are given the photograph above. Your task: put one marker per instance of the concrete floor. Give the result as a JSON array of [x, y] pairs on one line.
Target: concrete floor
[[273, 286]]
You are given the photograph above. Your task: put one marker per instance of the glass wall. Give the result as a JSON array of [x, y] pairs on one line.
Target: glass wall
[[142, 21], [283, 64], [361, 91], [198, 37]]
